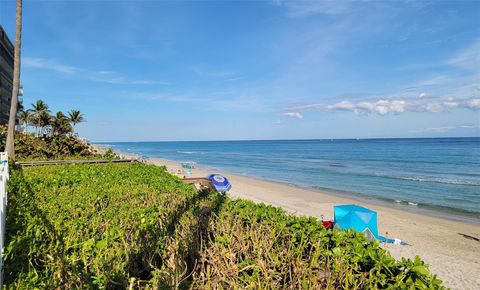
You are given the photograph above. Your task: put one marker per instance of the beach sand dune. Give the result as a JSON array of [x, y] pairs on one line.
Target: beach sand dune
[[454, 258]]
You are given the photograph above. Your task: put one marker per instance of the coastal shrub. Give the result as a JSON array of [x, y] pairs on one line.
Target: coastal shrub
[[258, 246], [117, 226], [98, 226], [109, 154], [48, 147]]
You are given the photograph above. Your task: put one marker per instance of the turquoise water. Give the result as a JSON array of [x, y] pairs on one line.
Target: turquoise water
[[440, 174]]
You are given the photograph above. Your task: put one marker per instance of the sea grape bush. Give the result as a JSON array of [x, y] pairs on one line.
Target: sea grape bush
[[90, 226], [259, 246], [117, 226]]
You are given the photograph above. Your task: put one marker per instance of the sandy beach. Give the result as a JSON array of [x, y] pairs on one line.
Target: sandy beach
[[454, 258]]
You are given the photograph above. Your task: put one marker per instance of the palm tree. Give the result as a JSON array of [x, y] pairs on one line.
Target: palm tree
[[39, 109], [61, 124], [10, 147], [44, 121], [76, 117], [40, 106], [25, 117]]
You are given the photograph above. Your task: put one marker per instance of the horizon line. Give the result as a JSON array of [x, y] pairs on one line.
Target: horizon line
[[298, 139]]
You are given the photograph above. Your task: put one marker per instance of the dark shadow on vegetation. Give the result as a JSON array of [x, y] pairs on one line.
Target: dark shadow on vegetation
[[203, 204], [23, 211], [18, 259], [201, 232]]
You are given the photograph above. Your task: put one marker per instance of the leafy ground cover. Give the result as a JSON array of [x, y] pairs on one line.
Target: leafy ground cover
[[117, 226]]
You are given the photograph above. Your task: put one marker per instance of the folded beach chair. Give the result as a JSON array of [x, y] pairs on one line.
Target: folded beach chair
[[200, 183]]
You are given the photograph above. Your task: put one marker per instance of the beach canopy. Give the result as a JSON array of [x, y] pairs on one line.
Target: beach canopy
[[220, 182], [356, 217], [188, 166], [360, 219]]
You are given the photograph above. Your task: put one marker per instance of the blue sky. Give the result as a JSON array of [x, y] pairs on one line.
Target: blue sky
[[198, 70]]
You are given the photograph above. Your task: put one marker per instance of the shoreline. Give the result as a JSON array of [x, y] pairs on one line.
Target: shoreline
[[437, 240], [416, 209]]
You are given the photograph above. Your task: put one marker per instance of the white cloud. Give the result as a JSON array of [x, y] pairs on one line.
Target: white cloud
[[433, 107], [392, 106], [381, 107], [473, 103], [422, 95], [277, 122], [103, 76], [342, 106], [397, 106], [48, 64], [295, 115], [450, 104]]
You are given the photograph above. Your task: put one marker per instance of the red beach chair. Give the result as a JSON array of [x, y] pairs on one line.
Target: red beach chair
[[327, 224]]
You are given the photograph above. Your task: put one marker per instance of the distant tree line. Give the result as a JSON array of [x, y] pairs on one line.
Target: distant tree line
[[44, 123]]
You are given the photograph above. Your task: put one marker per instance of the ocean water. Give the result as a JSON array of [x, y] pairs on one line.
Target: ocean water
[[438, 174]]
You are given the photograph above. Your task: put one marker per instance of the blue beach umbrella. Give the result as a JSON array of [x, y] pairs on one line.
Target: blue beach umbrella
[[221, 183]]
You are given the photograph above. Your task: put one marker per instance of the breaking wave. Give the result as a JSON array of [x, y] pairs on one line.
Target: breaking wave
[[440, 180]]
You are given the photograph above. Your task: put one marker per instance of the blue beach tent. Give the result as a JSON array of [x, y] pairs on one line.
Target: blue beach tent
[[360, 219], [356, 217]]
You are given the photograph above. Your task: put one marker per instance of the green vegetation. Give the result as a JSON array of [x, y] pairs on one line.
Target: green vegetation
[[48, 147], [52, 137], [116, 226], [45, 124]]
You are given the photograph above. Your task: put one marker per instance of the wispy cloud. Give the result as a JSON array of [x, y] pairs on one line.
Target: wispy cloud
[[447, 128], [226, 102], [242, 102], [295, 115], [102, 76], [433, 81], [214, 73], [171, 97], [307, 8], [468, 58], [235, 79], [111, 77], [42, 63]]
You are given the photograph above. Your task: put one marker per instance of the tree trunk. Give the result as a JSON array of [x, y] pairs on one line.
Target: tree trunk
[[16, 83]]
